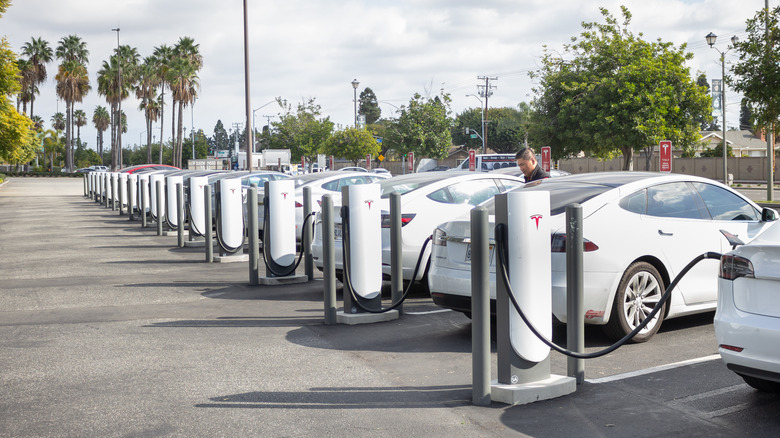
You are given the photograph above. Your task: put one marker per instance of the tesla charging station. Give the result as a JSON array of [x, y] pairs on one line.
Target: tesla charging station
[[196, 210], [230, 221], [171, 211], [362, 233], [523, 360], [153, 178], [279, 234]]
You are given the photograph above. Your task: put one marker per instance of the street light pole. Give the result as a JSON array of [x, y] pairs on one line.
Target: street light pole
[[711, 38], [250, 141], [482, 124], [355, 84]]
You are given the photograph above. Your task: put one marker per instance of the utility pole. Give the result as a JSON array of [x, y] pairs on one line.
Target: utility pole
[[485, 91], [770, 132]]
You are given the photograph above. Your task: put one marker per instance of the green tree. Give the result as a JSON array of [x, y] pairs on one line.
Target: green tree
[[705, 121], [506, 130], [220, 140], [146, 91], [72, 84], [302, 130], [184, 82], [745, 115], [616, 94], [79, 119], [424, 127], [352, 144], [39, 53], [162, 56], [757, 74], [368, 105], [101, 119]]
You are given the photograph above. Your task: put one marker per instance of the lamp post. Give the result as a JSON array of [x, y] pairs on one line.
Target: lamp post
[[119, 105], [192, 127], [482, 113], [711, 38], [254, 125], [355, 84]]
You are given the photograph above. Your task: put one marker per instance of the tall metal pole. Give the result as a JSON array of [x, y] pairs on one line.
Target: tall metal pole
[[355, 84], [250, 141], [770, 133], [723, 108], [192, 128]]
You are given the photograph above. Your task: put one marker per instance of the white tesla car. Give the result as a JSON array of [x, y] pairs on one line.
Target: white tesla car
[[640, 230], [427, 199], [747, 319]]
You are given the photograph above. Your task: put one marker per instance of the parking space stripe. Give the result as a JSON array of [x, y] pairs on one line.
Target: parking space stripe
[[631, 374]]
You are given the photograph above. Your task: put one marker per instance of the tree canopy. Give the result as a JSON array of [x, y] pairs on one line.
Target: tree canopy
[[17, 137], [352, 144], [616, 93], [423, 127], [302, 130]]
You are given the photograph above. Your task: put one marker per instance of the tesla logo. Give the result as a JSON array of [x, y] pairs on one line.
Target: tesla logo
[[369, 202], [232, 190], [536, 218], [284, 194], [200, 186]]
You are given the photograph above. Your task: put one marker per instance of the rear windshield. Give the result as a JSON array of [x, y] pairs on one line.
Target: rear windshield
[[404, 185], [561, 195]]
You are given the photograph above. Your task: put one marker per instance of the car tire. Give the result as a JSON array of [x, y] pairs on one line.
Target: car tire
[[640, 289], [762, 384]]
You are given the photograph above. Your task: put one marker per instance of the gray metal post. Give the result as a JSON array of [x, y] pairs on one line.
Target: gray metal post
[[144, 201], [119, 195], [252, 232], [209, 224], [306, 237], [480, 307], [328, 260], [130, 198], [85, 184], [159, 208], [575, 311], [180, 213], [396, 256], [113, 192]]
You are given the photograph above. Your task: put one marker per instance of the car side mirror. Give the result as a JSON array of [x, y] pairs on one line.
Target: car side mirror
[[768, 215]]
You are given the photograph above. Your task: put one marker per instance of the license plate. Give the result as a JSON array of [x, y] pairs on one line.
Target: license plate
[[468, 253]]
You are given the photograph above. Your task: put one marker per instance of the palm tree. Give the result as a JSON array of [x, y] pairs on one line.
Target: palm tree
[[101, 119], [108, 86], [72, 86], [147, 92], [183, 77], [26, 81], [72, 83], [162, 56], [79, 119], [58, 123], [128, 66], [39, 53]]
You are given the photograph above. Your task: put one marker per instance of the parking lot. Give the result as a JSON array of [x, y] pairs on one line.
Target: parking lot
[[107, 329]]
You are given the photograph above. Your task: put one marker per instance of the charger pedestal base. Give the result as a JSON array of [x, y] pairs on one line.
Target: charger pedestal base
[[365, 318], [524, 393], [281, 281]]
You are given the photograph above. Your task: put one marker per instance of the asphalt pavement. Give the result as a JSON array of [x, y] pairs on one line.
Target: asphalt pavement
[[107, 329]]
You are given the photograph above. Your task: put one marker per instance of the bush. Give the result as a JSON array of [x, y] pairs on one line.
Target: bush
[[2, 177]]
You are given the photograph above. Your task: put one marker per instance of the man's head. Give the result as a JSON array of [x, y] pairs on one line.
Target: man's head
[[526, 161]]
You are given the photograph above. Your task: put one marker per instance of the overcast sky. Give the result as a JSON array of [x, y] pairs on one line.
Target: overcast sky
[[313, 49]]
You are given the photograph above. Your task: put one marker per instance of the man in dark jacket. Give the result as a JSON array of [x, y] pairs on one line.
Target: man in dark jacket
[[526, 161]]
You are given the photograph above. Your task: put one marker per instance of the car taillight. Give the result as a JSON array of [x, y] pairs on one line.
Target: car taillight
[[731, 348], [405, 219], [733, 267], [439, 237], [558, 244], [298, 204]]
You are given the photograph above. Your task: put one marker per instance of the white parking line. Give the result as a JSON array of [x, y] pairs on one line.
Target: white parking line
[[653, 369], [428, 312]]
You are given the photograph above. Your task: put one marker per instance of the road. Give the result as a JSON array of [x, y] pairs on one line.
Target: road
[[107, 329]]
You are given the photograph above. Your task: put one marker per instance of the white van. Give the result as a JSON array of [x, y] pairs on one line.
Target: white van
[[488, 162]]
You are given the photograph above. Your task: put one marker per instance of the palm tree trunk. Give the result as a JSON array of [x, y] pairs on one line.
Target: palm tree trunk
[[67, 135], [162, 119], [173, 131], [180, 139]]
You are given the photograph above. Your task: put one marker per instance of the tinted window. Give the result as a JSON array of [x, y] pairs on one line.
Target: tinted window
[[467, 192], [635, 202], [508, 184], [673, 200], [724, 205], [561, 195]]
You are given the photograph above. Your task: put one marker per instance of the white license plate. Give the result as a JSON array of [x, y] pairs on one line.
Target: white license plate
[[468, 253]]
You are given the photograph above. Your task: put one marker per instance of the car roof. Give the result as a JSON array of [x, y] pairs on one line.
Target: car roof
[[410, 182]]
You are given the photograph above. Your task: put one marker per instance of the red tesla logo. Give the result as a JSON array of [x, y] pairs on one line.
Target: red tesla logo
[[284, 194], [369, 202], [232, 190], [536, 218]]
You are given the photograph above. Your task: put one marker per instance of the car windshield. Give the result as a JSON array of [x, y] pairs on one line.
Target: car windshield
[[561, 195], [406, 183]]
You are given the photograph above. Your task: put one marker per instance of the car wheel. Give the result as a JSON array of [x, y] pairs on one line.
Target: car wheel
[[639, 292], [762, 384]]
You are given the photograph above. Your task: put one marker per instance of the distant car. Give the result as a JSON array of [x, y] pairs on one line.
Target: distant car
[[140, 167], [439, 169], [353, 169], [427, 199], [94, 168], [640, 230], [517, 172], [382, 171], [747, 319]]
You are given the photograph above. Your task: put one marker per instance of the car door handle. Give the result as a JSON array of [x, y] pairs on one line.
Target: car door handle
[[662, 233]]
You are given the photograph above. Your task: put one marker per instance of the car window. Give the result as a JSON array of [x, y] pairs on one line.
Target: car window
[[337, 184], [333, 186], [466, 192], [724, 205], [635, 202], [676, 200], [508, 184]]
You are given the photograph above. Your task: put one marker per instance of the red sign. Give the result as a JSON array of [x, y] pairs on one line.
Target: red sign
[[546, 158], [411, 161], [666, 156], [330, 163], [303, 164], [368, 162], [472, 160]]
